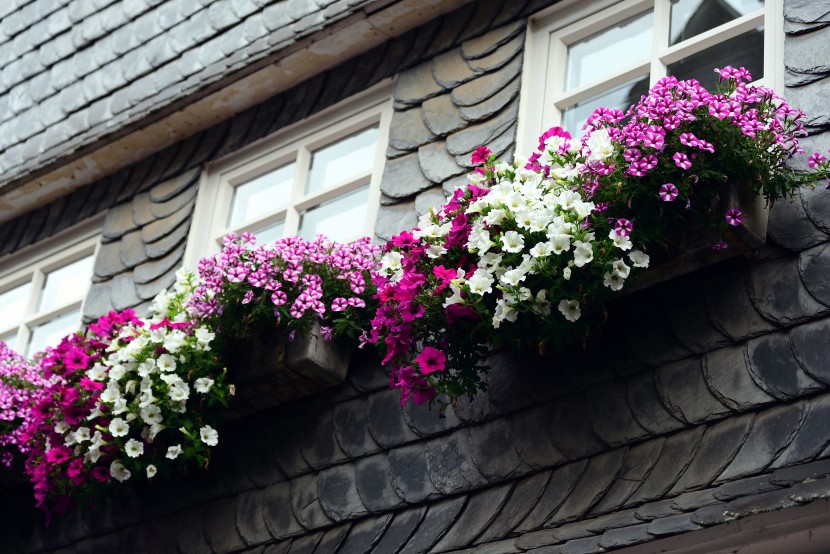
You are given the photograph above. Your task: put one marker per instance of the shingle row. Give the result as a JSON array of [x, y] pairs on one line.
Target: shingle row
[[691, 479]]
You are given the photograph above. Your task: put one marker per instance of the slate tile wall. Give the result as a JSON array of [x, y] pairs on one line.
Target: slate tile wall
[[705, 401]]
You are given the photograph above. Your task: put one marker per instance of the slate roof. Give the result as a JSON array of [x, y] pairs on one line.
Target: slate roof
[[74, 71]]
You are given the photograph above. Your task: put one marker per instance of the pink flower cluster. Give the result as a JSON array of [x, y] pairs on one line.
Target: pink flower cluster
[[68, 401], [293, 280], [21, 386]]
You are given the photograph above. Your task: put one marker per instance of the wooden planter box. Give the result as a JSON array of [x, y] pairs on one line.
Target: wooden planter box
[[745, 239], [270, 372]]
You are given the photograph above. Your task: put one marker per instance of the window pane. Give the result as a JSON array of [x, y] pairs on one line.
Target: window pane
[[10, 339], [690, 18], [340, 219], [261, 196], [51, 332], [13, 305], [270, 233], [745, 50], [595, 57], [573, 117], [348, 158], [65, 284]]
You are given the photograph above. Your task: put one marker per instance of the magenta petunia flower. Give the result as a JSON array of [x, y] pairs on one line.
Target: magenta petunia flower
[[623, 227], [681, 160], [480, 155], [668, 192], [734, 217], [431, 360], [815, 159]]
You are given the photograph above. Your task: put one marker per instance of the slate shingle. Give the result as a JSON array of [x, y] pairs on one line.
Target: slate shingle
[[479, 511], [450, 465]]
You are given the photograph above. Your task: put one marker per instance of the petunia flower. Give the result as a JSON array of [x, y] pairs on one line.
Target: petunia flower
[[431, 360], [668, 192], [734, 217]]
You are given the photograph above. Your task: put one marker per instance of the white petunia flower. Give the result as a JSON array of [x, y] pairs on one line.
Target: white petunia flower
[[435, 250], [613, 281], [117, 372], [639, 258], [203, 336], [151, 471], [82, 434], [541, 250], [173, 452], [203, 385], [566, 273], [512, 242], [118, 427], [179, 392], [174, 341], [166, 363], [151, 414], [119, 472], [147, 367], [209, 435], [559, 243], [618, 267], [61, 427], [583, 253], [481, 282], [623, 243], [513, 277], [119, 406], [97, 372], [134, 448], [570, 309]]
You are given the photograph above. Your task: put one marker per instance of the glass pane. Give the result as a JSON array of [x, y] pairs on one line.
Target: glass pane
[[591, 59], [340, 219], [65, 284], [345, 159], [10, 339], [573, 117], [270, 233], [261, 196], [51, 332], [745, 50], [13, 305], [690, 18]]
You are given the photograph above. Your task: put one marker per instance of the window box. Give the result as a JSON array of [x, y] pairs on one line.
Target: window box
[[267, 373]]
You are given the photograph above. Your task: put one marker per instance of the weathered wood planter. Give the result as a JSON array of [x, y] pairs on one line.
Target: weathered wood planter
[[745, 239], [274, 371]]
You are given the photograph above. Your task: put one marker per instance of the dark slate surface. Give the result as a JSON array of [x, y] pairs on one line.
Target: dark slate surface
[[720, 419], [73, 72]]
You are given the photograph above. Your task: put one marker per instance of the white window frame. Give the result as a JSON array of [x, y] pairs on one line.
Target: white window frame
[[551, 31], [33, 263], [295, 142]]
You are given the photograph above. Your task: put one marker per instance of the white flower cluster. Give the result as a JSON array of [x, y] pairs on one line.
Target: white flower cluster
[[146, 375], [530, 225]]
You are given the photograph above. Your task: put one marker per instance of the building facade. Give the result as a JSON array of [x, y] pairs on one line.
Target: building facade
[[136, 133]]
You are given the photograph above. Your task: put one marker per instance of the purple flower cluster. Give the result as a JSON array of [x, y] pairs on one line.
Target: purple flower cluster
[[292, 280], [21, 386]]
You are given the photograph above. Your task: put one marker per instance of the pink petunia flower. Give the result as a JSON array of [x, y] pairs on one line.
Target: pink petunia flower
[[623, 227], [681, 160], [734, 217], [431, 360], [480, 155], [668, 192]]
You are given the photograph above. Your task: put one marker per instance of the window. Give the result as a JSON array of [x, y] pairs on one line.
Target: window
[[42, 289], [322, 175], [609, 53]]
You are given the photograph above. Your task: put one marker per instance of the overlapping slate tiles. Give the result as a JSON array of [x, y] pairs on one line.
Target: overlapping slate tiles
[[142, 245], [445, 108], [73, 71]]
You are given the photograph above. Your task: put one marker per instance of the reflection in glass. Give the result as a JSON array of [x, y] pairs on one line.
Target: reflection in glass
[[745, 50], [270, 233], [51, 332], [13, 305], [621, 97], [690, 18], [261, 196], [340, 219], [65, 284], [350, 157], [591, 59]]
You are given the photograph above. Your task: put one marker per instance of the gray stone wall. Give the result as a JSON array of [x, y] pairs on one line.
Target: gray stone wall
[[704, 401]]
